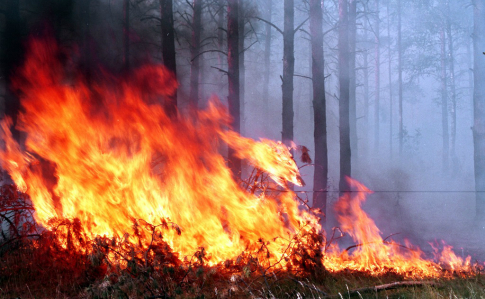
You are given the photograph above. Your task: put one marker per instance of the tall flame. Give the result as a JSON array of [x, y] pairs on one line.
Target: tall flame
[[107, 153]]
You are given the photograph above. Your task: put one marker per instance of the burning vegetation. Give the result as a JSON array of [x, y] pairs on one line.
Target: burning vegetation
[[122, 191]]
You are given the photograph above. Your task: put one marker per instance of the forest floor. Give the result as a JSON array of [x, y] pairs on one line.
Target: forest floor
[[45, 270]]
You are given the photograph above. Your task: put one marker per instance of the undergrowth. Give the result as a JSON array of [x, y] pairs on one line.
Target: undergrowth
[[63, 262]]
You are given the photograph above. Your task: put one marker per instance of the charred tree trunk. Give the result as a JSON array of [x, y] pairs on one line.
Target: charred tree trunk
[[344, 86], [233, 77], [479, 104], [194, 52], [267, 62], [12, 56], [352, 76], [319, 108], [377, 79], [444, 103], [399, 71], [168, 49], [452, 86], [126, 35], [288, 70]]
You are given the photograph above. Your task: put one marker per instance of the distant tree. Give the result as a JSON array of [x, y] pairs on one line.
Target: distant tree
[[288, 70], [352, 15], [319, 108], [196, 27], [451, 63], [233, 77], [344, 88], [444, 99], [168, 48], [85, 39], [126, 35], [389, 58], [377, 77], [267, 58], [12, 53], [399, 71], [479, 104]]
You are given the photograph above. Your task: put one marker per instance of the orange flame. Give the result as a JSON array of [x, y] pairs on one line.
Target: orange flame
[[106, 153], [377, 256], [116, 156]]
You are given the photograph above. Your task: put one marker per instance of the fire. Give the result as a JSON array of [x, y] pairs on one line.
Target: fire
[[106, 153], [376, 255]]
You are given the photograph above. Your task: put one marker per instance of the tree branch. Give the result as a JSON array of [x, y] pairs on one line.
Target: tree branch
[[220, 70], [299, 26], [271, 24], [206, 51]]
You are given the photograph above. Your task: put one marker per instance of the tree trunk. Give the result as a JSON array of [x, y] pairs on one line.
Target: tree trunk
[[377, 80], [233, 78], [319, 109], [344, 84], [453, 89], [352, 76], [168, 50], [85, 14], [365, 55], [220, 31], [444, 102], [242, 71], [126, 35], [194, 53], [390, 77], [267, 65], [12, 56], [399, 71], [479, 104], [288, 71]]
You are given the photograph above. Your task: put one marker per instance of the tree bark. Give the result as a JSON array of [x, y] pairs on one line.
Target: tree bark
[[365, 55], [399, 71], [453, 88], [267, 64], [86, 16], [12, 56], [377, 79], [344, 86], [194, 52], [242, 71], [288, 71], [233, 78], [352, 76], [319, 109], [126, 35], [479, 104], [168, 50], [444, 102], [390, 77]]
